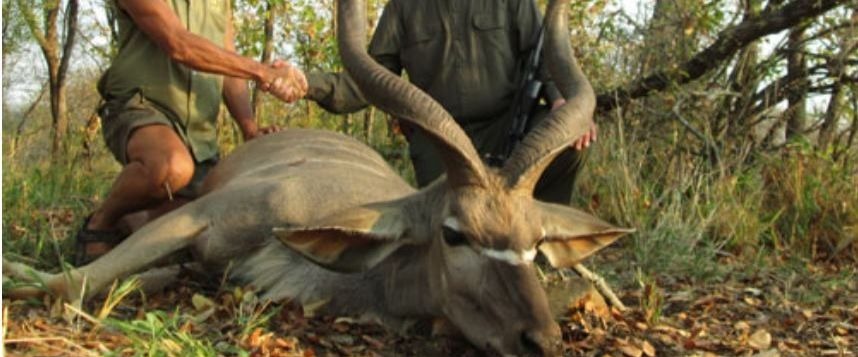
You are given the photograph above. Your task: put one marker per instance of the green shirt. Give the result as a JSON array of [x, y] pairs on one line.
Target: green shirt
[[466, 54], [190, 98]]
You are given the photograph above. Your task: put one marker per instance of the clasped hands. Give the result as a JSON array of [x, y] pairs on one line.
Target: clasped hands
[[285, 82]]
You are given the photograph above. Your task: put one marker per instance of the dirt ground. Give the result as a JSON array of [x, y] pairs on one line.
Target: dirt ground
[[777, 314]]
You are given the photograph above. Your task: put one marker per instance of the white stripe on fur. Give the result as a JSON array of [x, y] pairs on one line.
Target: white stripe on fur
[[510, 256]]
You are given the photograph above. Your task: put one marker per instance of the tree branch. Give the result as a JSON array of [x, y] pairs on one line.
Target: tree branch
[[68, 45], [30, 20], [728, 43], [20, 128]]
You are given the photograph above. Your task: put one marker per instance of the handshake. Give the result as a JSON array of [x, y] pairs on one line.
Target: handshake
[[284, 81]]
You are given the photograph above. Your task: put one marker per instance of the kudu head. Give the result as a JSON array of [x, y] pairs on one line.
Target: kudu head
[[480, 227]]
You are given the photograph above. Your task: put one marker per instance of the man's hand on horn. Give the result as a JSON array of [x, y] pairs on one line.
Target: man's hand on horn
[[589, 137]]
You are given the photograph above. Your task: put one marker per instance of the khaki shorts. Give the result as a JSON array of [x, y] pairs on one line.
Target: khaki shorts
[[121, 117]]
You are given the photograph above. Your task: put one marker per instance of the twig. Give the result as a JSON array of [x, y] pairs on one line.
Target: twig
[[600, 285], [77, 311], [712, 149], [49, 342], [20, 128]]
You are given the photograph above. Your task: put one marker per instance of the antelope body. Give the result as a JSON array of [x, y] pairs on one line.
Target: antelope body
[[308, 216]]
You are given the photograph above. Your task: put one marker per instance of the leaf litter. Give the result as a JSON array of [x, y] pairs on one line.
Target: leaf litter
[[739, 317]]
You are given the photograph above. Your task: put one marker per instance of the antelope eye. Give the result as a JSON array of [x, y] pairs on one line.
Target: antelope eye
[[453, 237]]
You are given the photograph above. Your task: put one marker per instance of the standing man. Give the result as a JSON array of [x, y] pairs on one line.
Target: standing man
[[468, 55], [163, 92]]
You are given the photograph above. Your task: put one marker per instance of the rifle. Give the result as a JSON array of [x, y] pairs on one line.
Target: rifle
[[525, 100]]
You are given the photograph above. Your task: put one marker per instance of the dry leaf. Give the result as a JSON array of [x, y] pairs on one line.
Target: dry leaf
[[631, 351], [754, 291], [346, 320], [373, 342], [760, 340], [201, 302], [203, 316], [648, 349], [752, 301], [742, 326], [311, 308], [342, 339]]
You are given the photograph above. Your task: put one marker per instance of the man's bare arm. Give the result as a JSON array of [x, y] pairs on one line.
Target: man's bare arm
[[161, 25], [236, 95]]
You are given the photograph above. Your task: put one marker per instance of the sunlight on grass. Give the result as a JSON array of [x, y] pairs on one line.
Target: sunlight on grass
[[689, 214], [160, 333], [117, 293]]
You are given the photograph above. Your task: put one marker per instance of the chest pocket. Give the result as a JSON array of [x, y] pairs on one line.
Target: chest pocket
[[493, 33], [421, 34], [422, 51], [489, 21]]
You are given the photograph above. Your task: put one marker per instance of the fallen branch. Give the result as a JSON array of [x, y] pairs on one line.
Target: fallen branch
[[600, 285]]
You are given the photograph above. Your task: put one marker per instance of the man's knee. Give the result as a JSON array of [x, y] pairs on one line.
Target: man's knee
[[180, 170], [173, 170], [166, 161]]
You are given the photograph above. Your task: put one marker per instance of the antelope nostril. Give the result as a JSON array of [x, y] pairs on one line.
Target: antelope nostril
[[531, 344], [540, 343]]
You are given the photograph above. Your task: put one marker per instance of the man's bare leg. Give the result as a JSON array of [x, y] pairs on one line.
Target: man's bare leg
[[158, 160]]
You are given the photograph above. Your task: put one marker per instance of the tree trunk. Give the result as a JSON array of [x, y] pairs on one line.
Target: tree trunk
[[853, 132], [832, 115], [838, 70], [346, 125], [662, 48], [796, 113], [267, 54], [743, 82], [57, 60], [369, 117], [59, 113]]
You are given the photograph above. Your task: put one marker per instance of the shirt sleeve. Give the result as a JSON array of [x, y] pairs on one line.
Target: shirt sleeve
[[337, 92]]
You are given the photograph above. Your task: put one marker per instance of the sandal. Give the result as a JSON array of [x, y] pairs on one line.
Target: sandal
[[86, 236]]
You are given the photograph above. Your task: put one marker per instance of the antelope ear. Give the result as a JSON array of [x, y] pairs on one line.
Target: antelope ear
[[355, 239], [572, 235]]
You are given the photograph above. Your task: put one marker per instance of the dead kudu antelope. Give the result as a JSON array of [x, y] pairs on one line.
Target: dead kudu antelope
[[351, 232]]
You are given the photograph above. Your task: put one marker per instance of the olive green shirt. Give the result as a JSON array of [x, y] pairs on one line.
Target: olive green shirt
[[190, 98], [467, 54]]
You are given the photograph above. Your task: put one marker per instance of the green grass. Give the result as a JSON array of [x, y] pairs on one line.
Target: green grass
[[161, 333], [44, 202], [691, 216]]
